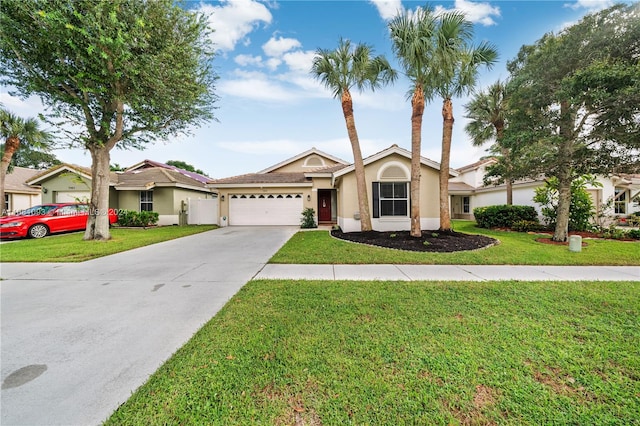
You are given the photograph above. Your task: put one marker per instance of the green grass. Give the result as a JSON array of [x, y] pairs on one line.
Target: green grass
[[514, 249], [390, 353], [71, 247]]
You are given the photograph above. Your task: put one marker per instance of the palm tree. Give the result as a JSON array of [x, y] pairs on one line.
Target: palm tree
[[487, 111], [454, 73], [341, 70], [412, 41], [15, 130]]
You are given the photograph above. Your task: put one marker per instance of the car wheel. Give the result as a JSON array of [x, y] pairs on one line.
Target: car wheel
[[38, 231]]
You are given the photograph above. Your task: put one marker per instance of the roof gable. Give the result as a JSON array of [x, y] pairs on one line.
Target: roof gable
[[84, 172], [393, 149], [312, 159]]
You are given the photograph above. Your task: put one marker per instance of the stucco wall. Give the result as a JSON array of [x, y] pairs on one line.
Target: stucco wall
[[348, 197]]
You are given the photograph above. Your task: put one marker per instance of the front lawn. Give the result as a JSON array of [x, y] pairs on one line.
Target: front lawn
[[388, 353], [515, 248], [71, 248]]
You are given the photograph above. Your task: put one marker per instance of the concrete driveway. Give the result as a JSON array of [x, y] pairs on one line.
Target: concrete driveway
[[78, 339]]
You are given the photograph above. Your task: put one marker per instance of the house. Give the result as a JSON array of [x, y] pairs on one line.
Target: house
[[619, 194], [18, 195], [148, 185], [314, 179]]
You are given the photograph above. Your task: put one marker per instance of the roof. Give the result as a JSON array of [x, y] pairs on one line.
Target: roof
[[302, 155], [477, 164], [15, 181], [147, 178], [85, 172], [262, 178], [151, 164]]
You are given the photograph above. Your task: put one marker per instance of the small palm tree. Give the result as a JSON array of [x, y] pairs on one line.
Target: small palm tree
[[412, 37], [487, 111], [15, 131], [454, 73], [340, 70]]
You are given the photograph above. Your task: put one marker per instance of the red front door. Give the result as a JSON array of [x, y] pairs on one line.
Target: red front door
[[324, 206]]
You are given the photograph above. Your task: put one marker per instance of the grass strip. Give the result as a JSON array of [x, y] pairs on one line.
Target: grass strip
[[311, 352], [71, 247], [515, 248]]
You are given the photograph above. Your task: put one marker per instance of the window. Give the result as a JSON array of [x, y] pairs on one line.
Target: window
[[146, 201], [6, 207], [390, 199], [620, 201], [466, 205]]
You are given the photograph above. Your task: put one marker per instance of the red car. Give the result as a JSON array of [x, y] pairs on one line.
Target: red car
[[40, 221]]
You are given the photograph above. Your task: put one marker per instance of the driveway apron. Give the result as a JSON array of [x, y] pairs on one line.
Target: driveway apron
[[78, 339]]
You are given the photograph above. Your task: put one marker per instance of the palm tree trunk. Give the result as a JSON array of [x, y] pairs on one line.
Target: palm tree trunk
[[10, 147], [447, 130], [417, 106], [98, 221], [361, 184]]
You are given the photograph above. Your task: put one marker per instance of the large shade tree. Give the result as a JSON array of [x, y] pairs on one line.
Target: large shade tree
[[412, 37], [454, 72], [575, 101], [487, 114], [340, 70], [111, 73], [17, 132]]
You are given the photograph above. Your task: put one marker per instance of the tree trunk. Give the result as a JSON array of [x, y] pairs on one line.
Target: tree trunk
[[11, 145], [507, 158], [417, 106], [447, 130], [98, 221], [361, 184], [509, 191], [564, 174]]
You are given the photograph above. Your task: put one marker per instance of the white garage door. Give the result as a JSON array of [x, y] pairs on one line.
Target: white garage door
[[72, 197], [265, 209]]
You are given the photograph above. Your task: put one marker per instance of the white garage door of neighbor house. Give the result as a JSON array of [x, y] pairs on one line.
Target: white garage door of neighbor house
[[265, 209], [72, 197]]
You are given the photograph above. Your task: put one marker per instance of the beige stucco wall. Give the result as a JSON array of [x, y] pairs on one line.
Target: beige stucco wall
[[63, 182], [348, 197]]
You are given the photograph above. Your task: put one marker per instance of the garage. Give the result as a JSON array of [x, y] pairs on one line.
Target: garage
[[265, 209], [72, 197]]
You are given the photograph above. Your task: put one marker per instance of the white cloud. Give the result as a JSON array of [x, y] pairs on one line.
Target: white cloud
[[273, 63], [257, 88], [299, 61], [246, 60], [233, 20], [388, 9], [590, 5], [276, 47], [481, 13]]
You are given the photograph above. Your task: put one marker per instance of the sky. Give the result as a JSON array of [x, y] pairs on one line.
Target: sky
[[271, 108]]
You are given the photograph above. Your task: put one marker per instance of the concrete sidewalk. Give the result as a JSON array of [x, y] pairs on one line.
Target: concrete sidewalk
[[450, 272]]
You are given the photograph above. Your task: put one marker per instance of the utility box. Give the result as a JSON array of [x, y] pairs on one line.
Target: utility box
[[575, 243]]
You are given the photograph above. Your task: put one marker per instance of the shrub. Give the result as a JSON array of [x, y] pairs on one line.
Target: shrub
[[308, 218], [504, 216], [581, 209], [137, 219], [527, 226], [634, 233]]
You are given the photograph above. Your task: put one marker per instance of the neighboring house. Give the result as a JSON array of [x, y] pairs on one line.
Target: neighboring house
[[618, 196], [314, 179], [148, 185], [18, 195]]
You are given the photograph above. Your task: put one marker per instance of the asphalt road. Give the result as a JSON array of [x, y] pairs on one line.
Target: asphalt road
[[78, 339]]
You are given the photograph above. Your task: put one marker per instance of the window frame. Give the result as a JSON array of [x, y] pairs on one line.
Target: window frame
[[148, 202], [620, 201], [466, 204], [379, 199]]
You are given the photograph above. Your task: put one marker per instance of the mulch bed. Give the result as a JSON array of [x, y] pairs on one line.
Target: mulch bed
[[431, 241]]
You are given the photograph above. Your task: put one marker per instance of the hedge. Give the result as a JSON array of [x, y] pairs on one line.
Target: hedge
[[504, 216]]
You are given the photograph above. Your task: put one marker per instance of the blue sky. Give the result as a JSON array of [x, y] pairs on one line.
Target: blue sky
[[271, 108]]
